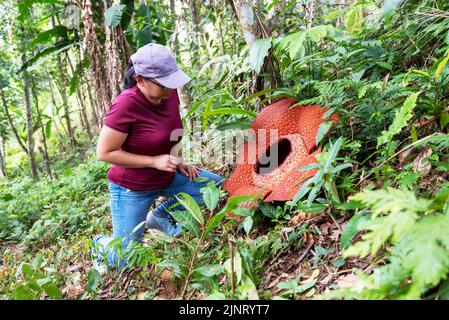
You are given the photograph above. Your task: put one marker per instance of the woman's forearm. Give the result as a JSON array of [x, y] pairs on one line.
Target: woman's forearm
[[127, 159]]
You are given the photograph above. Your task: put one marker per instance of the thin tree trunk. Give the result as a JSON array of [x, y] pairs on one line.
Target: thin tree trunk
[[30, 125], [62, 92], [3, 171], [248, 20], [83, 117], [93, 106], [193, 6], [44, 152], [60, 136], [11, 123], [87, 91]]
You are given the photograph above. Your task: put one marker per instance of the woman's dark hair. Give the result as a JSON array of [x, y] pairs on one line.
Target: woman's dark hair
[[130, 77]]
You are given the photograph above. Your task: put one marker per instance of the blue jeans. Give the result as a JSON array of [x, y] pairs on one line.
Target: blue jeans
[[130, 208]]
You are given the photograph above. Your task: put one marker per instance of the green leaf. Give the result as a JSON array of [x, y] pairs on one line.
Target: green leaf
[[302, 191], [230, 111], [400, 119], [211, 195], [52, 290], [94, 279], [322, 131], [234, 125], [317, 33], [216, 296], [441, 65], [113, 15], [234, 201], [46, 36], [393, 213], [257, 53], [191, 206], [28, 270], [48, 128], [332, 153], [351, 229], [44, 54], [353, 18], [295, 43], [211, 270], [214, 222], [248, 224], [187, 221], [23, 293]]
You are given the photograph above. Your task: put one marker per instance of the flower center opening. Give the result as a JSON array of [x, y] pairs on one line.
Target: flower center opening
[[273, 157]]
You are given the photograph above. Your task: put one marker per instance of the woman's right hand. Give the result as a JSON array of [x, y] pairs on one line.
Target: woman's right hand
[[166, 162]]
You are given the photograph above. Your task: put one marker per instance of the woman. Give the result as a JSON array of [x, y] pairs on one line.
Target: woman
[[140, 138]]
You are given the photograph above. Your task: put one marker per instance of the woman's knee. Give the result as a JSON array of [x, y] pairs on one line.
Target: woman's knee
[[211, 176]]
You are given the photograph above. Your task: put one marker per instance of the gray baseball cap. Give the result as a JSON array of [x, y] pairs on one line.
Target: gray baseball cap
[[156, 61]]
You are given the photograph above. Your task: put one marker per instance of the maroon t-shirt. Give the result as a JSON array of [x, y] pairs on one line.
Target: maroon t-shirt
[[150, 128]]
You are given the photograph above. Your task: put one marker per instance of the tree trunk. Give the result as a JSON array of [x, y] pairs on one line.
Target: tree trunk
[[83, 117], [44, 152], [11, 123], [193, 6], [62, 92], [30, 125], [248, 20], [60, 137], [3, 171], [253, 29], [99, 76]]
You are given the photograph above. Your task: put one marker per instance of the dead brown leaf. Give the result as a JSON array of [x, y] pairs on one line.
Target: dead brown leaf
[[420, 163], [347, 281]]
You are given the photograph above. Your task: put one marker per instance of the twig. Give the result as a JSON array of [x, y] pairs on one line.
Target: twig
[[304, 254], [231, 249]]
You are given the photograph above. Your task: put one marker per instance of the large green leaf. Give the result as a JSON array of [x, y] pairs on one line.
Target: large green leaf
[[234, 125], [43, 55], [230, 111], [214, 222], [191, 206], [295, 43], [211, 195], [113, 15], [257, 53], [48, 35], [353, 18], [322, 131], [318, 32], [187, 221]]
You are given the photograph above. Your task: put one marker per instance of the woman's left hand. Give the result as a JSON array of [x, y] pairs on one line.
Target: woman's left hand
[[189, 170]]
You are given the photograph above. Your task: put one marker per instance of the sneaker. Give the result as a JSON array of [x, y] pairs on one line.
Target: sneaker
[[97, 257], [167, 225], [100, 267]]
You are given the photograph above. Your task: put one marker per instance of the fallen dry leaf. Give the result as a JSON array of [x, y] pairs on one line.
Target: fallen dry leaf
[[421, 164], [297, 219], [347, 281]]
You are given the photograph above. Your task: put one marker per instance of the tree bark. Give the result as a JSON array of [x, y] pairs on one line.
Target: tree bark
[[99, 75], [30, 124], [248, 20]]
